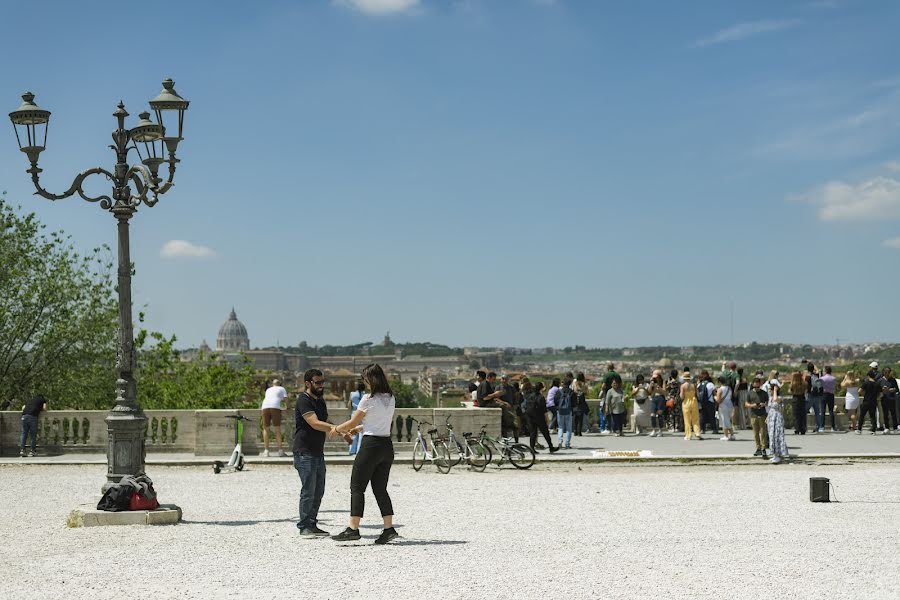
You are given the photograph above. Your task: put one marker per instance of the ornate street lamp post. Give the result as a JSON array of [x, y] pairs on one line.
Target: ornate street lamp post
[[125, 452]]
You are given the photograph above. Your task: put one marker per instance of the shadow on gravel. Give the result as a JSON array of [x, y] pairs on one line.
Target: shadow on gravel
[[408, 542], [237, 523]]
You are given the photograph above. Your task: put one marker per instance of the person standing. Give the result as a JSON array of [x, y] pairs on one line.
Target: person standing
[[756, 402], [640, 394], [690, 408], [509, 404], [311, 429], [581, 411], [372, 464], [30, 413], [536, 411], [850, 384], [551, 403], [608, 379], [775, 420], [615, 403], [887, 408], [706, 399], [815, 396], [870, 393], [355, 398], [724, 401], [565, 404], [673, 401], [271, 415], [829, 384], [798, 394], [657, 404], [889, 395], [741, 393]]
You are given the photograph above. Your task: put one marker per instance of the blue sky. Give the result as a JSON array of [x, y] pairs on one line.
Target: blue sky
[[512, 173]]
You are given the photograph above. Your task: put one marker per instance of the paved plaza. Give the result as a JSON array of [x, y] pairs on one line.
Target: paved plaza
[[561, 530]]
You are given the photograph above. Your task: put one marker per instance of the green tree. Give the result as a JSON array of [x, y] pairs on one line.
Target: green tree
[[58, 316]]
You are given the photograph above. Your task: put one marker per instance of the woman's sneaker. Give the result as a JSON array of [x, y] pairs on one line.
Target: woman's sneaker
[[387, 535], [347, 535]]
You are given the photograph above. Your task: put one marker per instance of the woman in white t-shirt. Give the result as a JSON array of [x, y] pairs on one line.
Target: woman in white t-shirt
[[373, 461], [271, 415]]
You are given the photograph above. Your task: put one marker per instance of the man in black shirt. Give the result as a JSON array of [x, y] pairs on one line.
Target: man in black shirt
[[870, 390], [30, 413], [888, 408], [311, 429]]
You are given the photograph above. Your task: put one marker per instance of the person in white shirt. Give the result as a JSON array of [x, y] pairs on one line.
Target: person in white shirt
[[271, 415], [373, 462]]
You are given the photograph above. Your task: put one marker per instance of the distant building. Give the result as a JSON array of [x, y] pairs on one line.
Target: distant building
[[232, 335]]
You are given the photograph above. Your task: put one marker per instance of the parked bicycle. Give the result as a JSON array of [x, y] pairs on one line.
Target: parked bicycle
[[433, 449], [471, 450], [520, 455]]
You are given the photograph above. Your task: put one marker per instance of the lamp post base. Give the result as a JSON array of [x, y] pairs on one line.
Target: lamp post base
[[125, 451]]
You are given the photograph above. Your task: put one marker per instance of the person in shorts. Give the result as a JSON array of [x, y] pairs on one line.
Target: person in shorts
[[271, 415]]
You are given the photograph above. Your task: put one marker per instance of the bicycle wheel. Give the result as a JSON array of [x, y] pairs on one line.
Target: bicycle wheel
[[418, 456], [479, 456], [456, 453], [441, 457], [521, 456], [492, 450]]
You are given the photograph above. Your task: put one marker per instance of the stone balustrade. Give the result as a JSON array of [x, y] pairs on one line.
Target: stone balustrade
[[209, 433]]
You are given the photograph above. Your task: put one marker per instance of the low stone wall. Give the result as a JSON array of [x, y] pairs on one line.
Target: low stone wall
[[209, 433]]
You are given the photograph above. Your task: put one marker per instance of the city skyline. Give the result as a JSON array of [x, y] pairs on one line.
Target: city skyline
[[523, 174]]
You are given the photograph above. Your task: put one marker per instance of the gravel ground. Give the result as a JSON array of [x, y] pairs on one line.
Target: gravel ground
[[568, 531]]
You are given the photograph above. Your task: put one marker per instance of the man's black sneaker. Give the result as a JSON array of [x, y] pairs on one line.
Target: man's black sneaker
[[347, 535], [387, 535], [757, 453], [318, 532], [554, 449]]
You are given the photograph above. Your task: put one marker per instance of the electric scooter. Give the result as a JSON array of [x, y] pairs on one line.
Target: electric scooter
[[236, 462]]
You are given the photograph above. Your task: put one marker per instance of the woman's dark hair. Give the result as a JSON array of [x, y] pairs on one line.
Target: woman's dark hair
[[740, 372], [555, 382], [722, 380], [639, 379], [579, 377], [526, 385], [673, 374], [539, 386], [376, 380]]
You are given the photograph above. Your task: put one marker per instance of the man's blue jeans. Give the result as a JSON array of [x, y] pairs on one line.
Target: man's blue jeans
[[565, 425], [816, 402], [312, 487], [29, 427]]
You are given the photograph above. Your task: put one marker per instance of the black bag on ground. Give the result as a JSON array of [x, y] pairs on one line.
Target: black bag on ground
[[116, 498]]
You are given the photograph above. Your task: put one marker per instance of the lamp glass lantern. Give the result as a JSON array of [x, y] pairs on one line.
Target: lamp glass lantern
[[169, 108], [149, 135], [30, 123]]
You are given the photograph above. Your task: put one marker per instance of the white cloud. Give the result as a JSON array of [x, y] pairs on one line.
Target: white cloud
[[877, 198], [379, 7], [183, 249], [893, 243], [745, 30], [893, 165]]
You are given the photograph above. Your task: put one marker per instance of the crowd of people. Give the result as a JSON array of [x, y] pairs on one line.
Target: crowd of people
[[693, 404]]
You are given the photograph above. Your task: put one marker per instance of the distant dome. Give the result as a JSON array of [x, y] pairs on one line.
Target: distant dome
[[232, 336], [666, 363]]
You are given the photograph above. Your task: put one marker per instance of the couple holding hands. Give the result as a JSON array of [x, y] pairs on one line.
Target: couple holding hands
[[373, 461]]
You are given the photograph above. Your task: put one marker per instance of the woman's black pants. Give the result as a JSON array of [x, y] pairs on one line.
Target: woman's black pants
[[800, 414], [373, 463], [539, 424]]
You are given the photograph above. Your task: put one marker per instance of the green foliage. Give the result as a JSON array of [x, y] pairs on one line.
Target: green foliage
[[165, 381], [58, 316], [409, 396]]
